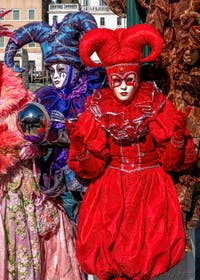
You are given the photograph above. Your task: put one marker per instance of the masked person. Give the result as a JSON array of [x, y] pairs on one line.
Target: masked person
[[127, 141], [56, 255], [72, 82], [20, 256]]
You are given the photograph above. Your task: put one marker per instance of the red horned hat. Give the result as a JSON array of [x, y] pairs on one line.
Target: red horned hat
[[121, 46]]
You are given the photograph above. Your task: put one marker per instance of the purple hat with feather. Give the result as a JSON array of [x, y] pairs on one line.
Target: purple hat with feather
[[59, 42]]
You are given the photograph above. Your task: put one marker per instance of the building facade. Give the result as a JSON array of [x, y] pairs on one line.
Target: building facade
[[22, 12], [103, 15]]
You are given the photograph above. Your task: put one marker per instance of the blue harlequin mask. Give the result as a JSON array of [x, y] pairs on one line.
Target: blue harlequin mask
[[63, 75]]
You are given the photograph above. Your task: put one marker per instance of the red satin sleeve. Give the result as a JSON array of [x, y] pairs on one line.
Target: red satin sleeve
[[174, 154], [88, 161]]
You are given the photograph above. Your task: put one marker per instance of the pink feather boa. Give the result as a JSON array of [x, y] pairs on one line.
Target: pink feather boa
[[13, 96]]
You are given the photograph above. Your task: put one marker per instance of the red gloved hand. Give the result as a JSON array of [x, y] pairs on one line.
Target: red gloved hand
[[180, 124], [76, 139]]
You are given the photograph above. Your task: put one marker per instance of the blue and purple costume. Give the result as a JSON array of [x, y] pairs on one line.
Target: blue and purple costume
[[59, 44]]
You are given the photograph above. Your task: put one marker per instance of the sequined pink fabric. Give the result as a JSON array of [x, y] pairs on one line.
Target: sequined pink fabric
[[60, 256]]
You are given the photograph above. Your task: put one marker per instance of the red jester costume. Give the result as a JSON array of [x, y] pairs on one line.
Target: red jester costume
[[128, 139]]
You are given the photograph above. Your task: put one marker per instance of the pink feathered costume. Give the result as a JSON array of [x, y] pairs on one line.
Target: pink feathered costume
[[20, 246]]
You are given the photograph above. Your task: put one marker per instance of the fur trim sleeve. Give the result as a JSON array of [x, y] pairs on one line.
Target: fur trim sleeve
[[13, 95]]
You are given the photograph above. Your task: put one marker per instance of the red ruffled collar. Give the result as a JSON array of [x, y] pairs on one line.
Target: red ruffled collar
[[126, 122]]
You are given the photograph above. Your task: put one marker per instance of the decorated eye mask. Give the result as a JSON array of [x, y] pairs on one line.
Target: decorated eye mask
[[124, 80], [117, 79]]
